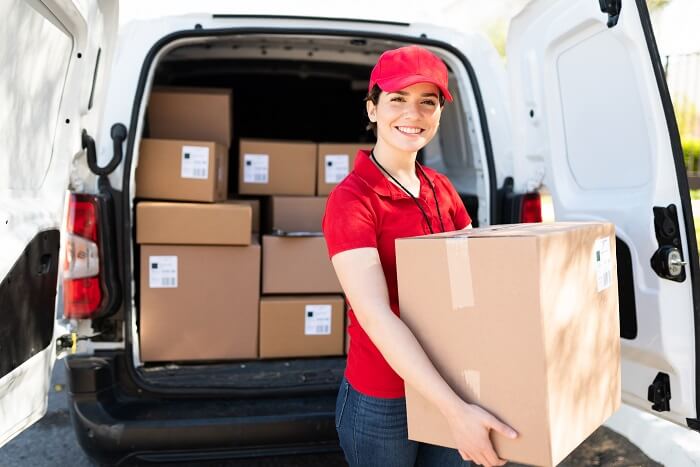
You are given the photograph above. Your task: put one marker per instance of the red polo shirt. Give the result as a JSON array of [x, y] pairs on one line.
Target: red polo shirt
[[367, 210]]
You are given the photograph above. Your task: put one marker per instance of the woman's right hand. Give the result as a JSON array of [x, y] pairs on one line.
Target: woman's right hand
[[471, 426]]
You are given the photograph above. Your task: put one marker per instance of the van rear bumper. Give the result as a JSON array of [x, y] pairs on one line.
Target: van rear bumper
[[114, 422]]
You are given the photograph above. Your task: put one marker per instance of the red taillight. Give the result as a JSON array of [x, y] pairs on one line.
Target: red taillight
[[82, 217], [532, 208], [81, 297], [82, 293]]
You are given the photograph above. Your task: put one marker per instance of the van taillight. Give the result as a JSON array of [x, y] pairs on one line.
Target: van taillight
[[532, 208], [82, 292]]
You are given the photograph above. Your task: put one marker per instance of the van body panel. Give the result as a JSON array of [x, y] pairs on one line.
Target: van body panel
[[52, 95], [591, 124]]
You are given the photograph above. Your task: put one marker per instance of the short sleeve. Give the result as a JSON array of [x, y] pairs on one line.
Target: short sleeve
[[349, 222], [460, 216]]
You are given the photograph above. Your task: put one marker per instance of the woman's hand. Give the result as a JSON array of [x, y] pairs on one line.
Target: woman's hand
[[471, 426]]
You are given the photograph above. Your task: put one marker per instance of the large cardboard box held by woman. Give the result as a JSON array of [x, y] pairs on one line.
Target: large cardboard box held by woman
[[521, 320]]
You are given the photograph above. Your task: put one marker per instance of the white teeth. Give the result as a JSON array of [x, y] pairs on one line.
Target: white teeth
[[411, 130]]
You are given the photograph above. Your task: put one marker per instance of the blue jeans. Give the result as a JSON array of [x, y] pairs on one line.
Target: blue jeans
[[373, 432]]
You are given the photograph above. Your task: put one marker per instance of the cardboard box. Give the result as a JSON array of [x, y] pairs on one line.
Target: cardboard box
[[335, 161], [193, 223], [202, 114], [199, 302], [182, 170], [296, 213], [297, 265], [254, 206], [305, 326], [521, 320], [277, 168]]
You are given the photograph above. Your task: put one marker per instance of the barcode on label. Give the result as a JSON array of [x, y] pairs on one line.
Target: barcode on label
[[256, 168], [167, 281], [195, 162], [162, 272], [317, 320], [603, 263]]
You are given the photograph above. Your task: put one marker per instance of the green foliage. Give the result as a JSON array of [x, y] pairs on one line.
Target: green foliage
[[691, 153], [657, 4]]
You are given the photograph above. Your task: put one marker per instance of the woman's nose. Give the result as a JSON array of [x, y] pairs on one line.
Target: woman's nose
[[412, 110]]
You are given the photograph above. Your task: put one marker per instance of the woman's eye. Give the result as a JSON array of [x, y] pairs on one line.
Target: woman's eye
[[397, 99], [429, 102]]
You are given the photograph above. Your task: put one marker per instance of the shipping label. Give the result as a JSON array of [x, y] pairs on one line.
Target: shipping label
[[256, 168], [162, 272], [337, 167], [195, 162], [317, 320], [603, 263]]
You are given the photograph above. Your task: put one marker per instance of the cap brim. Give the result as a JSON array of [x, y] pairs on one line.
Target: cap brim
[[397, 83]]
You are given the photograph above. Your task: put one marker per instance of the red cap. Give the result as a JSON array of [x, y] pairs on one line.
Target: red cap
[[399, 68]]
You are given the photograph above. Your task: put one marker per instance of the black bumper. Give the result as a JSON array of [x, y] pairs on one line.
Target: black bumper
[[115, 421]]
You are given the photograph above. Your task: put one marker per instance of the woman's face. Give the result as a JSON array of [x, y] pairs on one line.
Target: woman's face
[[407, 119]]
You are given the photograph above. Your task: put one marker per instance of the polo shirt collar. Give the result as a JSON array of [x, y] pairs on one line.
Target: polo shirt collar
[[377, 181]]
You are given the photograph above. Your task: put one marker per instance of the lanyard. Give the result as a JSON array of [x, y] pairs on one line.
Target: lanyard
[[420, 169]]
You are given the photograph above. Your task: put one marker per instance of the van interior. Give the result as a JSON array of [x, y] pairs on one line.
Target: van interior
[[312, 88]]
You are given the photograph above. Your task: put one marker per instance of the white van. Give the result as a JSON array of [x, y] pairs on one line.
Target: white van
[[581, 108]]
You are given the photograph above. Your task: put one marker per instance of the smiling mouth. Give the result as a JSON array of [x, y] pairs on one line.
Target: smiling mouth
[[410, 130]]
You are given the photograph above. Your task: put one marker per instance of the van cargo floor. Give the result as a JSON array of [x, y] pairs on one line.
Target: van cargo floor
[[263, 374]]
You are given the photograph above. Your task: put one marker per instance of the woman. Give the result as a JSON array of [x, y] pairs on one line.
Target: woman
[[388, 195]]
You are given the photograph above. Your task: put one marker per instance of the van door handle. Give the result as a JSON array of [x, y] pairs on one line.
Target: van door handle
[[118, 134]]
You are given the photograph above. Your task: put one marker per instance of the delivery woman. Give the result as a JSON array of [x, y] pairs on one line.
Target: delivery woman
[[388, 195]]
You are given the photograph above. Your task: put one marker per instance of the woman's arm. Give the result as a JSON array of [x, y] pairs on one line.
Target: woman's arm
[[362, 278]]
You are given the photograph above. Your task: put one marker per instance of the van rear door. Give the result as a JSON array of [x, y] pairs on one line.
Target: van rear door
[[49, 56], [593, 122]]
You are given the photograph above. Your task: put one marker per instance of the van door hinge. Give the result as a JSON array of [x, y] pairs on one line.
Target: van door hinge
[[660, 393], [667, 261], [612, 8]]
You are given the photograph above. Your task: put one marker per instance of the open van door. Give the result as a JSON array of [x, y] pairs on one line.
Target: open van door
[[50, 54], [593, 122]]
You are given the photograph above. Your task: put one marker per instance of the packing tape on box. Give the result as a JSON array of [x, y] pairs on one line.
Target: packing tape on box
[[473, 380], [460, 273]]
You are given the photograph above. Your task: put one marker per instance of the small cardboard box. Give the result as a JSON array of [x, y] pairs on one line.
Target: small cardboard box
[[254, 206], [335, 162], [182, 170], [296, 213], [201, 114], [193, 223], [277, 168], [297, 265], [302, 326], [199, 302], [521, 320]]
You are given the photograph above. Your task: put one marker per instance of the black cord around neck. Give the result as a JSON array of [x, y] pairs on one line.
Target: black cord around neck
[[415, 200]]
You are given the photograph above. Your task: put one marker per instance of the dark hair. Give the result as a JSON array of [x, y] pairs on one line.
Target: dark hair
[[373, 95]]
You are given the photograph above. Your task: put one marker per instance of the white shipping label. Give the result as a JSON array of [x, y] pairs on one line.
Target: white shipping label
[[317, 321], [195, 162], [603, 263], [162, 272], [256, 168], [337, 167]]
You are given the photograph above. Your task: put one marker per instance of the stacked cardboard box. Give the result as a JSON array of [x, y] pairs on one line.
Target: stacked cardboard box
[[301, 326], [185, 159], [200, 283], [186, 156], [335, 162], [521, 320]]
